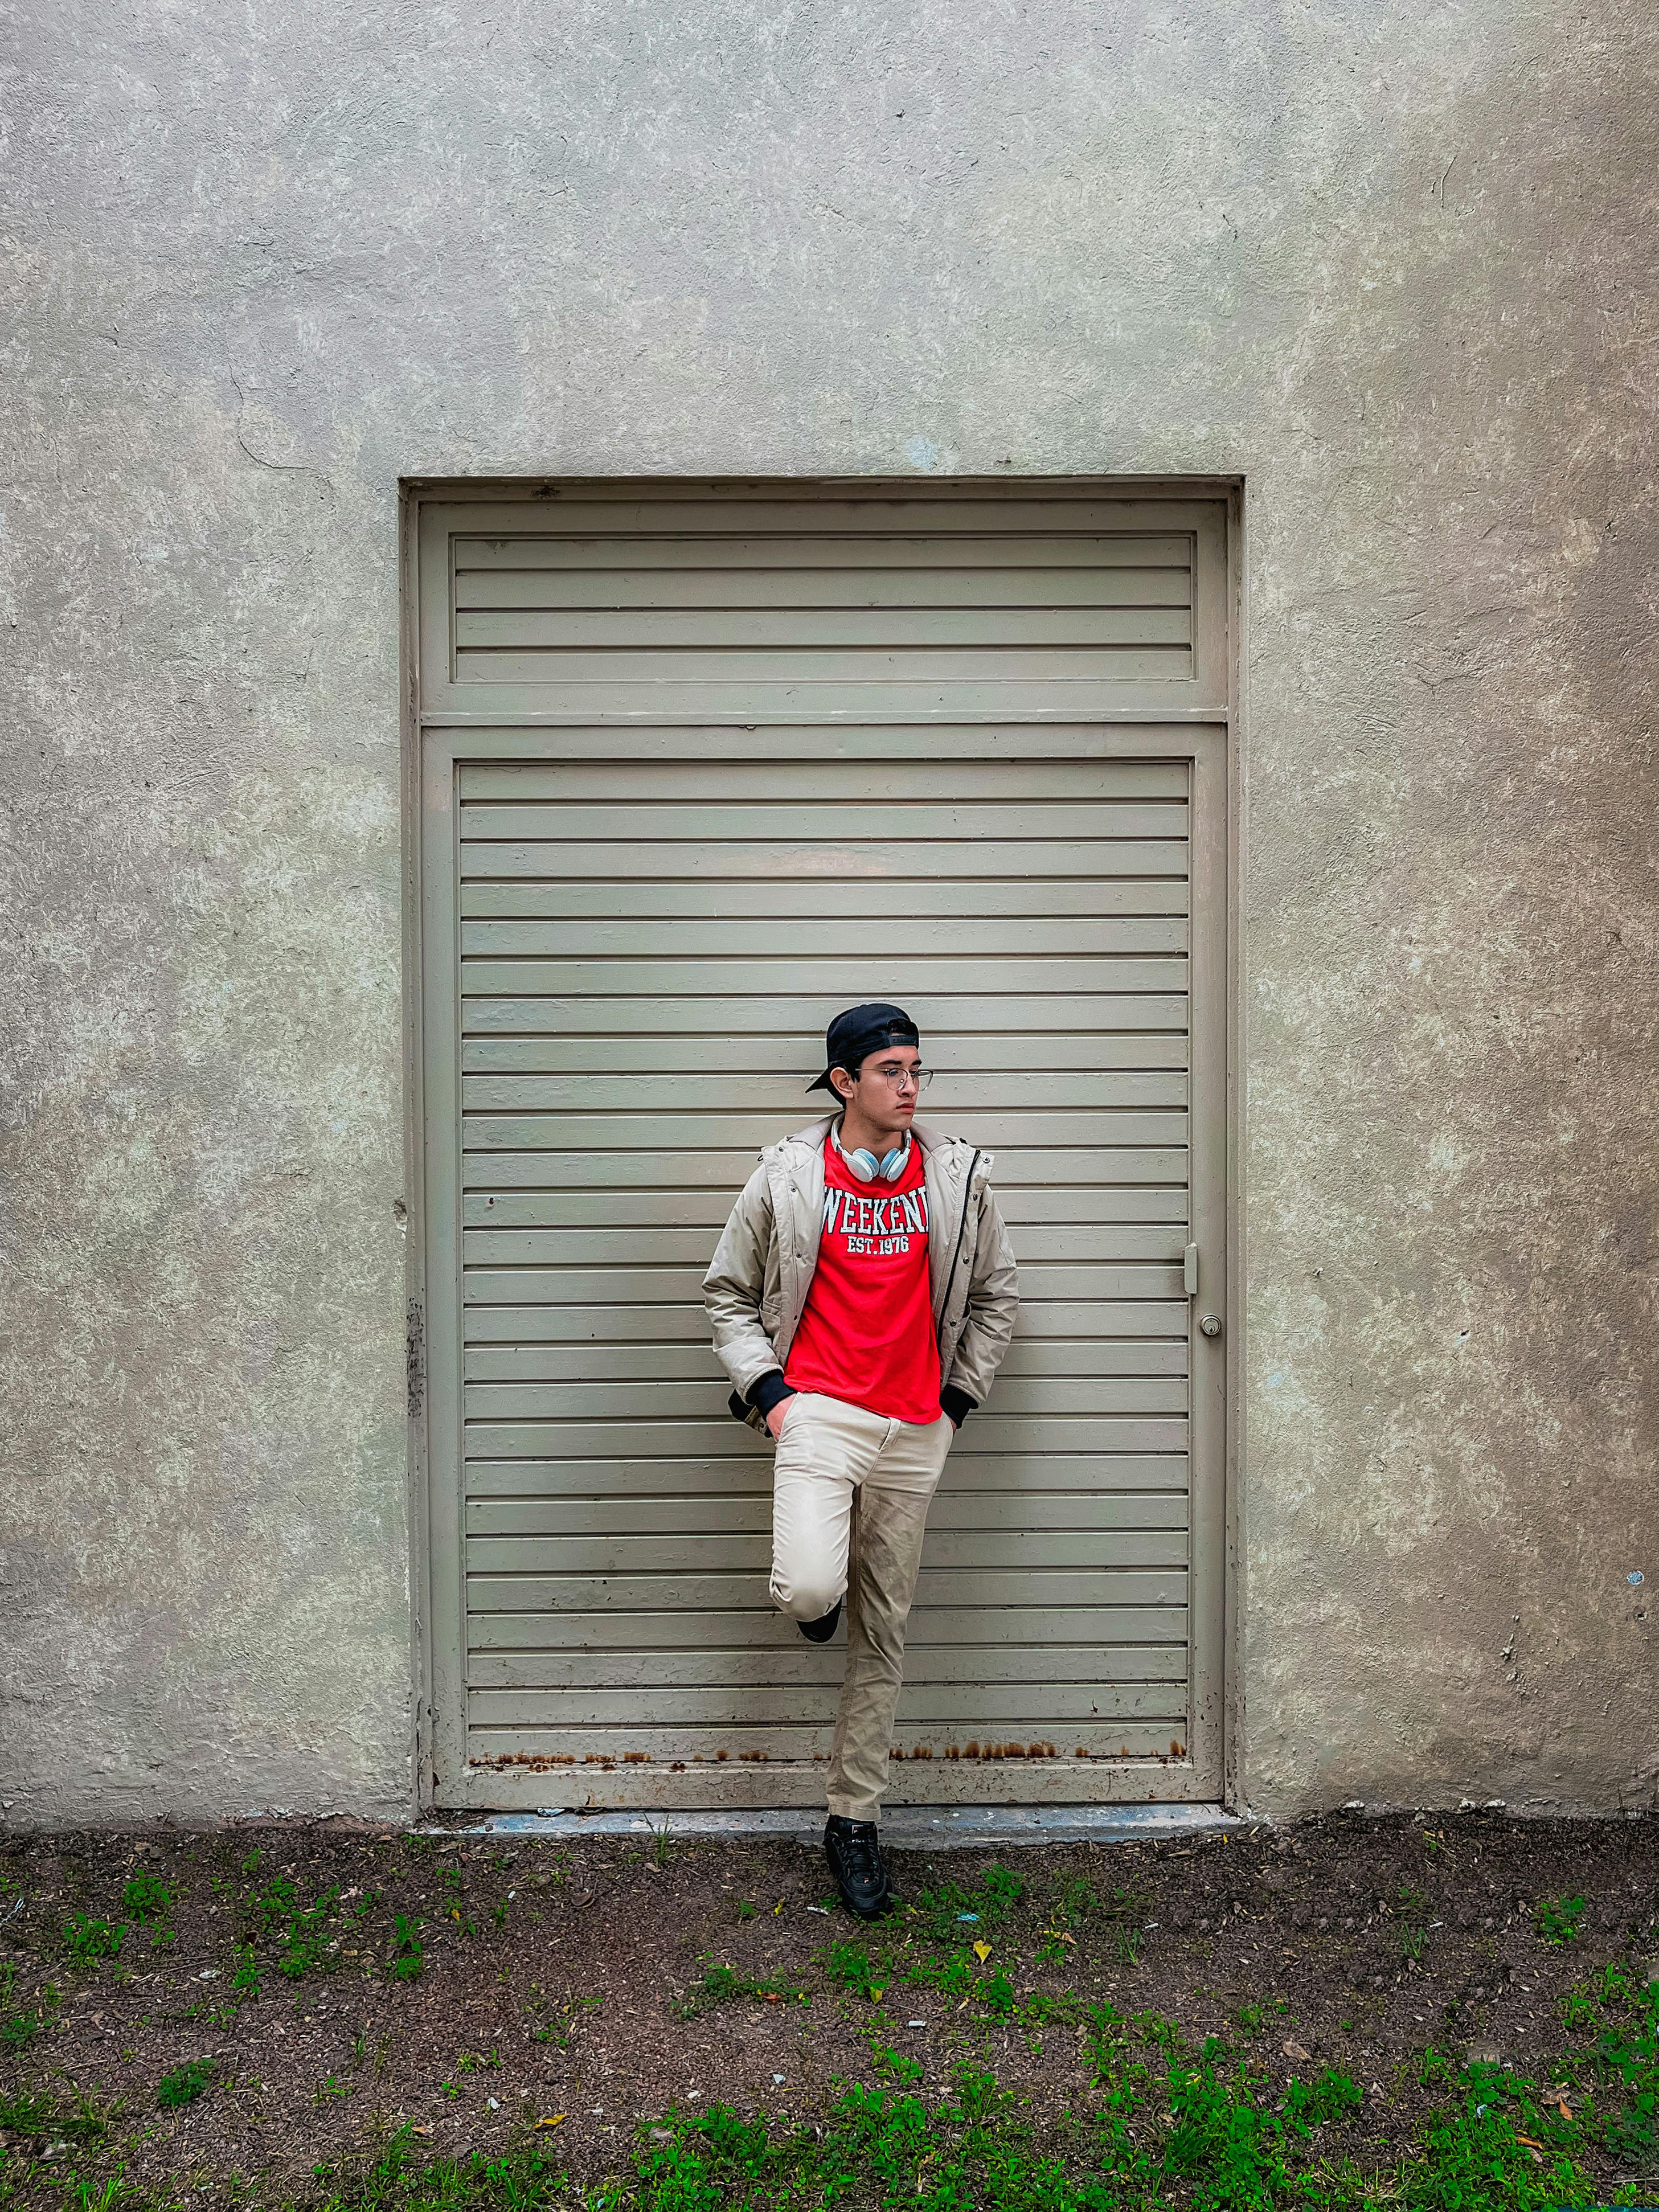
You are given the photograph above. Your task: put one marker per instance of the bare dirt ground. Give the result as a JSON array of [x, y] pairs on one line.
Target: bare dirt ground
[[331, 1984]]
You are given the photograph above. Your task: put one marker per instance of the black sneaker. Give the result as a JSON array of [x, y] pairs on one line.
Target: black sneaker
[[856, 1862], [821, 1630]]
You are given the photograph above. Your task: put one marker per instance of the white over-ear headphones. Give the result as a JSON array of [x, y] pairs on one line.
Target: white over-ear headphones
[[867, 1168]]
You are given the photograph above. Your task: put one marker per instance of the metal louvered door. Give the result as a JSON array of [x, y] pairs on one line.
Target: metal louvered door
[[639, 912]]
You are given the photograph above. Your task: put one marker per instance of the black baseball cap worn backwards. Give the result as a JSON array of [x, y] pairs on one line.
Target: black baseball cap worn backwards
[[852, 1036]]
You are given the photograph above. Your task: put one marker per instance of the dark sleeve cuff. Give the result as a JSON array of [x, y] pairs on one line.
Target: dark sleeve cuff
[[956, 1403], [770, 1390]]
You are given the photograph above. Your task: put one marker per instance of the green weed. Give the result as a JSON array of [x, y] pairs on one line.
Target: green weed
[[953, 1978], [183, 2084], [87, 1940], [1077, 1898], [848, 1966], [1160, 2034], [996, 1994], [1328, 2096], [895, 2062], [1124, 1945], [408, 1954], [147, 1898], [569, 2020], [1121, 1940], [1557, 1918]]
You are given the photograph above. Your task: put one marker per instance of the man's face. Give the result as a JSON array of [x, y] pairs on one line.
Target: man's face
[[880, 1092]]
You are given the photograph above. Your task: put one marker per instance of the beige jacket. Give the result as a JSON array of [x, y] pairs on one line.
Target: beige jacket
[[757, 1284]]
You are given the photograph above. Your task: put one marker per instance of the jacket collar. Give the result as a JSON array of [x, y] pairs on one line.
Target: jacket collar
[[791, 1151]]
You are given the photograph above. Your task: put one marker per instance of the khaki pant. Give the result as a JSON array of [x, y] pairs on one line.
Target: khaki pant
[[850, 1494]]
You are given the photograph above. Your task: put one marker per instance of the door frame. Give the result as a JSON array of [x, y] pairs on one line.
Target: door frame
[[437, 1659]]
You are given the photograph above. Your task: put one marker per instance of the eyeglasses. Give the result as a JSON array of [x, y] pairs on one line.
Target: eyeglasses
[[898, 1077]]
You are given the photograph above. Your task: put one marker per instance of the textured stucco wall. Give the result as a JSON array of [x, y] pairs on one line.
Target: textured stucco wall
[[1390, 261]]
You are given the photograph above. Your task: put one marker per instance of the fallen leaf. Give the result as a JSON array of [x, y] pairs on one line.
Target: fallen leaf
[[1060, 1935], [1564, 2108], [1292, 2048], [420, 2131], [981, 1952], [876, 1994], [1531, 2142], [556, 2121]]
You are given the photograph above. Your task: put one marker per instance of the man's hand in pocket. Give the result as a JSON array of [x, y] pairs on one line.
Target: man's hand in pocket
[[775, 1419]]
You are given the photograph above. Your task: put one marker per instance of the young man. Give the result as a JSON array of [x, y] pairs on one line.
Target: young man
[[861, 1297]]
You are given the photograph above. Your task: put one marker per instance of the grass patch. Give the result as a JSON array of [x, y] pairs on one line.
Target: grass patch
[[1159, 2117], [568, 2017], [298, 1934], [722, 1985], [41, 2113], [1119, 1936], [20, 2023], [1205, 2127], [953, 1914]]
